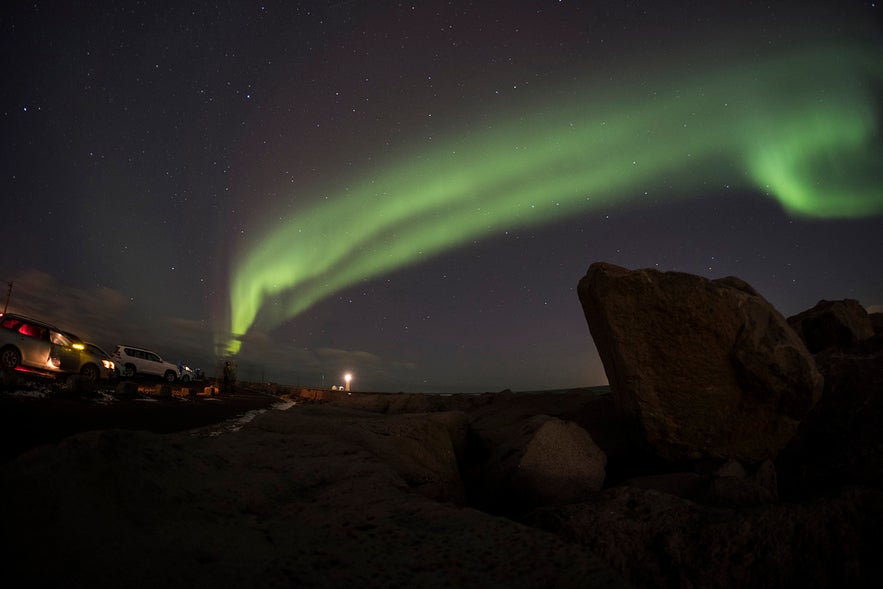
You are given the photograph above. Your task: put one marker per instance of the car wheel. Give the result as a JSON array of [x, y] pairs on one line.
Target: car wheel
[[10, 357], [170, 376], [185, 378], [129, 370], [90, 372]]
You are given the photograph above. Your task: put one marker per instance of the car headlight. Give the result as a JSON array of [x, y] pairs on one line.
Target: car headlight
[[107, 364], [78, 347]]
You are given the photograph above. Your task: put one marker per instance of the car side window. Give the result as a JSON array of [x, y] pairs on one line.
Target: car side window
[[153, 357], [35, 331], [59, 339]]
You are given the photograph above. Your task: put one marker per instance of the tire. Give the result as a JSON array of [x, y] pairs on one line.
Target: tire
[[128, 371], [170, 376], [90, 372], [10, 357], [185, 378]]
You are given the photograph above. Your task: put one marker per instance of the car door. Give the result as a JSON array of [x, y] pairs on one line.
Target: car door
[[64, 350], [155, 363]]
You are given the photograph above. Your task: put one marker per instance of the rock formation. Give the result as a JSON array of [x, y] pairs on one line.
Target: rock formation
[[671, 478], [540, 460], [657, 539], [842, 433], [708, 368], [832, 324], [314, 497]]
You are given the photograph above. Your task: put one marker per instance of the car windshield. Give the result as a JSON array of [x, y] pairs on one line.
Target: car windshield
[[93, 349]]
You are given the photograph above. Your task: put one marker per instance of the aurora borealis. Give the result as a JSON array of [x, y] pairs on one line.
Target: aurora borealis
[[410, 192], [801, 127]]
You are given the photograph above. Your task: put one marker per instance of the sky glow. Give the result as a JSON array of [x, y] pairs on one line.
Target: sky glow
[[800, 128]]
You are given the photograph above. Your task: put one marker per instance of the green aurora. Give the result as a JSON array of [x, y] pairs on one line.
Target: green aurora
[[802, 129]]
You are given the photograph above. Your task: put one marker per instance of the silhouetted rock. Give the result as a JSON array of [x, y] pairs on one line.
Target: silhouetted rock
[[421, 448], [836, 324], [841, 441], [538, 461], [656, 539], [301, 498], [728, 485], [876, 322], [682, 484], [708, 368]]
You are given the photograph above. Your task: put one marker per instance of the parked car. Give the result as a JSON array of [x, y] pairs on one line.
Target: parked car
[[132, 361], [189, 374], [30, 344], [96, 364]]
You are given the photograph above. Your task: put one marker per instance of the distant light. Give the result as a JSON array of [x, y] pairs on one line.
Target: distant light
[[347, 377]]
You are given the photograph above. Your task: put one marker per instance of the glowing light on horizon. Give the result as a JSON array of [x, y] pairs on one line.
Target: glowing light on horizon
[[802, 128]]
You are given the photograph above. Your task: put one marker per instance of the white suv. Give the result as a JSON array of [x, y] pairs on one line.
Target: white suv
[[131, 361]]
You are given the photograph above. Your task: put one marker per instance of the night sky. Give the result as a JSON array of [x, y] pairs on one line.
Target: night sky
[[412, 191]]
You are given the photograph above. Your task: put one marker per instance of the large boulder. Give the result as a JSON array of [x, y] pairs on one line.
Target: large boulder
[[832, 324], [840, 441], [657, 539], [876, 322], [422, 448], [541, 460], [292, 499], [707, 368]]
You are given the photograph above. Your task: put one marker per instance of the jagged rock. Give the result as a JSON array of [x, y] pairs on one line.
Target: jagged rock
[[832, 324], [728, 491], [730, 468], [681, 484], [541, 460], [728, 485], [285, 501], [708, 368], [876, 322], [841, 442], [421, 448], [659, 540], [765, 476]]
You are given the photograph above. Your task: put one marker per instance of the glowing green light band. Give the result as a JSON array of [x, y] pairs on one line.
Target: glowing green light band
[[802, 128]]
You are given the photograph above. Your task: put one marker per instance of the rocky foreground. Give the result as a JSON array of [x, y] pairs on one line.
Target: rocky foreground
[[734, 448]]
